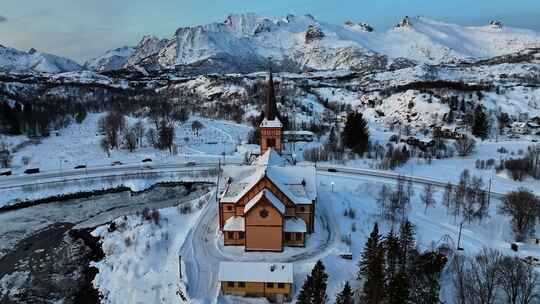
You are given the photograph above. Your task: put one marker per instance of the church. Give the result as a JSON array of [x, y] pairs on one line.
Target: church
[[275, 205]]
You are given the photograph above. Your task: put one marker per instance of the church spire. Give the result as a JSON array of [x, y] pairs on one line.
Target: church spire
[[271, 107]]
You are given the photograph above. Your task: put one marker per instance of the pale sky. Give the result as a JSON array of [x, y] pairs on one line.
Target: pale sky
[[81, 29]]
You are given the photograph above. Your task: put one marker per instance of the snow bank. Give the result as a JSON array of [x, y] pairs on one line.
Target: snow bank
[[141, 263]]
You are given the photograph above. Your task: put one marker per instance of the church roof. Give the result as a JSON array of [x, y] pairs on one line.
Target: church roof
[[270, 158], [269, 196]]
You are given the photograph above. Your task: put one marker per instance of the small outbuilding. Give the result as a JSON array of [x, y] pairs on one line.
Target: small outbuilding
[[273, 281]]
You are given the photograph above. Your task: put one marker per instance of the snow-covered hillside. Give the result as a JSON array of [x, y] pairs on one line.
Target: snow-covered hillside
[[111, 60], [243, 42], [13, 60]]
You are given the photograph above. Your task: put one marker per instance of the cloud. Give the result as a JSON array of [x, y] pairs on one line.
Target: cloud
[[3, 19]]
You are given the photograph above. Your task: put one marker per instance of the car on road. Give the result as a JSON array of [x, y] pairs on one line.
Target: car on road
[[5, 173], [146, 160], [80, 167], [116, 163], [333, 170], [31, 171], [191, 164]]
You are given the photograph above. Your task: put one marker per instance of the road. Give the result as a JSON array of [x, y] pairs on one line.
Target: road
[[7, 182], [388, 175]]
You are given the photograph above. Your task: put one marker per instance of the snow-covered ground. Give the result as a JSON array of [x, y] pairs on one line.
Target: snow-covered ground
[[78, 144], [202, 249], [141, 263]]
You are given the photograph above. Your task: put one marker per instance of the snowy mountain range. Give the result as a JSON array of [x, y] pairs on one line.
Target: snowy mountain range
[[12, 60], [111, 60], [244, 42]]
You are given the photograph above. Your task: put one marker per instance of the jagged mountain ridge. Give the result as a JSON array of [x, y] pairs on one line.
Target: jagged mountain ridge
[[111, 60], [243, 42], [13, 60]]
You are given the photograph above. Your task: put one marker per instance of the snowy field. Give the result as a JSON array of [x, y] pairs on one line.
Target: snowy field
[[79, 144]]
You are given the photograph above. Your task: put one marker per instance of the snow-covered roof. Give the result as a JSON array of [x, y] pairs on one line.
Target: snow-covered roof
[[271, 198], [275, 123], [301, 132], [235, 223], [295, 225], [270, 158], [298, 183], [255, 272]]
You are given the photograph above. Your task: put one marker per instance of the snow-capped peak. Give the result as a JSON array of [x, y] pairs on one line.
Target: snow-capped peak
[[14, 60]]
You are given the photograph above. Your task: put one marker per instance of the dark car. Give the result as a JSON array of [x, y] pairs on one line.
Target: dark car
[[191, 164], [31, 171], [5, 173], [332, 170], [146, 160], [116, 163], [80, 167]]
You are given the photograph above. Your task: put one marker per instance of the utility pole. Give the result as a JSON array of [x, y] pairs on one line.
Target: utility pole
[[459, 248], [489, 191], [218, 179]]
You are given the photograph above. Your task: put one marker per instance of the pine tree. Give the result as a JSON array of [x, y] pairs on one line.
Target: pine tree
[[345, 296], [304, 297], [406, 243], [319, 278], [372, 268], [356, 133], [480, 126], [391, 245], [398, 289]]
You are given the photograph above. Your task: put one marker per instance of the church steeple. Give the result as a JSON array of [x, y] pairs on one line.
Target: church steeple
[[271, 107], [271, 128]]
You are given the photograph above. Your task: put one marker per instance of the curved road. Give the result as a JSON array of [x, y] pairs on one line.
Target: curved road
[[201, 253]]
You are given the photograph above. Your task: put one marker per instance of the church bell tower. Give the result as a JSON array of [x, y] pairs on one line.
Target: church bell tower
[[271, 127]]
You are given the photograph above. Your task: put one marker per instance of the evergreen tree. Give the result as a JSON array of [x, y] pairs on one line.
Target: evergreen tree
[[345, 296], [304, 297], [480, 127], [356, 133], [314, 289], [425, 275], [406, 243], [391, 245], [398, 289], [319, 277], [372, 268]]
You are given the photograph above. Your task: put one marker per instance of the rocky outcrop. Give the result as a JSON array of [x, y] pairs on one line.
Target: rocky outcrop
[[313, 33]]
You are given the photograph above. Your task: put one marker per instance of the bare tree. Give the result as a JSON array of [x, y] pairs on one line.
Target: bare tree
[[447, 196], [482, 277], [130, 140], [522, 206], [5, 155], [111, 125], [166, 135], [151, 137], [139, 131], [427, 197], [459, 279], [196, 126], [105, 146], [465, 146], [519, 281], [383, 198]]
